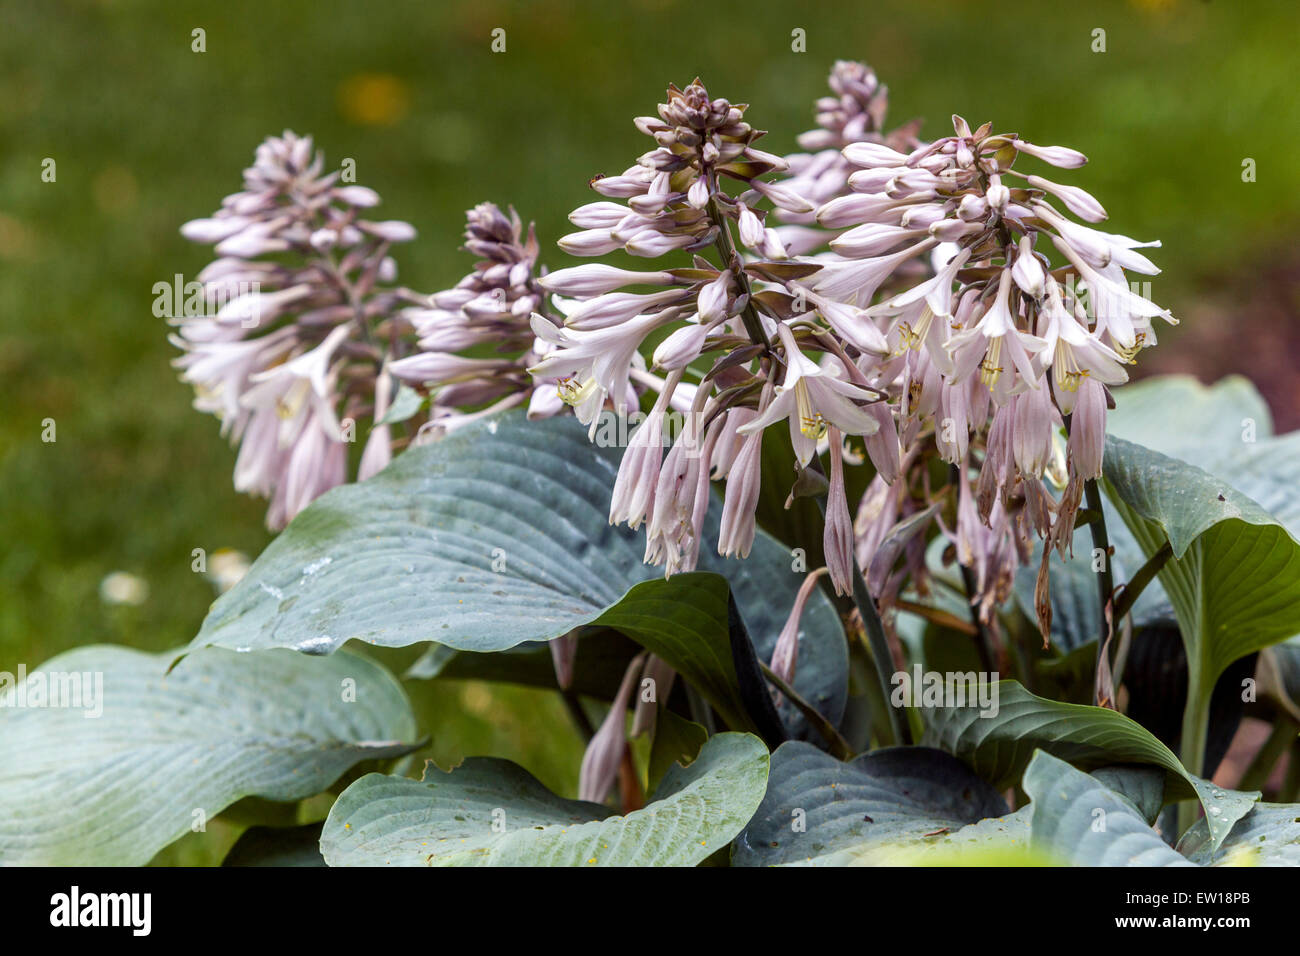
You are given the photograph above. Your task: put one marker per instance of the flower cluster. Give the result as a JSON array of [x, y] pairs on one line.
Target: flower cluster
[[747, 312], [958, 308], [874, 296], [490, 310], [854, 114], [999, 347], [293, 356]]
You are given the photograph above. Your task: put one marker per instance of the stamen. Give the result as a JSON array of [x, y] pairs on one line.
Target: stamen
[[990, 371], [811, 422], [1129, 354], [1066, 369], [573, 392]]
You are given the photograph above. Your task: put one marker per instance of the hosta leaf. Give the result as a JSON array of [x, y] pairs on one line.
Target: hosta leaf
[[1078, 819], [598, 668], [173, 749], [1234, 578], [1267, 836], [676, 740], [1142, 786], [1178, 416], [998, 746], [490, 812], [495, 536], [823, 812]]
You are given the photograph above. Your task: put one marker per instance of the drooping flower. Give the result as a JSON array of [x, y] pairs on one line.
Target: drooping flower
[[282, 351], [812, 398]]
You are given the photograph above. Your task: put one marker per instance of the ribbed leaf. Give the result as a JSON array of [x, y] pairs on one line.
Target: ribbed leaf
[[999, 747], [821, 812], [1234, 579], [172, 750], [490, 812], [1178, 416], [495, 536], [1267, 836], [1078, 819]]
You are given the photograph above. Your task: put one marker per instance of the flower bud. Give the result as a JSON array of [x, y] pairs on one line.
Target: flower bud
[[950, 230], [597, 279], [972, 208], [1027, 271], [751, 230], [1060, 156], [213, 230], [361, 196], [1079, 202], [589, 242], [698, 194], [870, 155], [598, 215], [783, 197], [392, 230], [997, 194], [605, 751], [681, 348]]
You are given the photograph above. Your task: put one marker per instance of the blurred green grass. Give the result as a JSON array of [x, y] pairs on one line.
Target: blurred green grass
[[147, 134]]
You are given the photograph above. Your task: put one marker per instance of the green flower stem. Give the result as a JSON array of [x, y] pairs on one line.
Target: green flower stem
[[1196, 728], [1105, 580], [726, 247], [1137, 584], [839, 746], [881, 658]]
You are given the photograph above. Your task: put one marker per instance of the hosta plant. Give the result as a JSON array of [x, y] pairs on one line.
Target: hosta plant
[[816, 491]]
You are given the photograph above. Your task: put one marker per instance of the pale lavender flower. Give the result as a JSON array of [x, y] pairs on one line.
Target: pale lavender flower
[[837, 538], [812, 398], [785, 656], [605, 752], [284, 348]]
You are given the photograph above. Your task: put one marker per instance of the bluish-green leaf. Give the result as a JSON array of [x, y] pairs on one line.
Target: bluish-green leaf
[[820, 811], [495, 536], [1078, 819], [1267, 836], [490, 812], [170, 750], [999, 745]]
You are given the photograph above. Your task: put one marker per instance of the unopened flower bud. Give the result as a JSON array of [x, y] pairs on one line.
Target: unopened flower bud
[[1078, 201], [1028, 272], [783, 197], [751, 230], [698, 194], [869, 155], [597, 279], [361, 196], [997, 194], [680, 348], [391, 230], [1060, 156], [605, 751], [972, 208]]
